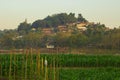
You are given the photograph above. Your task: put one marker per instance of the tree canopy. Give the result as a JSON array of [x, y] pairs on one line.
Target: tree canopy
[[96, 35], [58, 19]]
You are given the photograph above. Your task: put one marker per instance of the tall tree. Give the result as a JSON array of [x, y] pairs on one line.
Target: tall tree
[[81, 19], [24, 27]]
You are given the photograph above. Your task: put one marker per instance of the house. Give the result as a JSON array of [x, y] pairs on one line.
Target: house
[[17, 37], [33, 29], [47, 31], [71, 24], [62, 28], [81, 26], [49, 46]]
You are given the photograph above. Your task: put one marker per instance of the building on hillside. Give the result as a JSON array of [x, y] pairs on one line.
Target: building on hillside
[[71, 24], [62, 28], [17, 37], [47, 31], [50, 46], [33, 29], [81, 26]]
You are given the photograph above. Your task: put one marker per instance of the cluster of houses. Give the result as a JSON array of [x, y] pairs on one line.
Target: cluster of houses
[[66, 28]]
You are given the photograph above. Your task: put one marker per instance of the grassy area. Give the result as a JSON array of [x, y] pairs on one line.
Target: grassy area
[[64, 60], [60, 67], [108, 73], [90, 74]]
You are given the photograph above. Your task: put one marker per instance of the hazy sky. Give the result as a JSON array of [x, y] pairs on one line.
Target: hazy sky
[[13, 12]]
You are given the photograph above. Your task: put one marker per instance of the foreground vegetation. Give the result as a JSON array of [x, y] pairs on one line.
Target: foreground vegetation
[[90, 74], [31, 66], [64, 60]]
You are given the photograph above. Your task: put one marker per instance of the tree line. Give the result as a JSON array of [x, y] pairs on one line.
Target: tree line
[[96, 36], [51, 21]]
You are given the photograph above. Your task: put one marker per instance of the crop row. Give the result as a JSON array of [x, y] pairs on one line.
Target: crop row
[[33, 66], [65, 60], [90, 74]]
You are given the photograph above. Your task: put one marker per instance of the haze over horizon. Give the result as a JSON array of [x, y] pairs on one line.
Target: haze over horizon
[[13, 12]]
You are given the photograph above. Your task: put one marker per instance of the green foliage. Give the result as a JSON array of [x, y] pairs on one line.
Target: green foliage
[[70, 67], [61, 39], [111, 40], [78, 40], [81, 19], [32, 36], [57, 19], [7, 41], [24, 28], [71, 60], [32, 40], [90, 74]]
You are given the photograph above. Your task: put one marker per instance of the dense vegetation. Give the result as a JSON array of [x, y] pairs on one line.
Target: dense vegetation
[[31, 35], [70, 60], [58, 19], [90, 74], [63, 67], [95, 39]]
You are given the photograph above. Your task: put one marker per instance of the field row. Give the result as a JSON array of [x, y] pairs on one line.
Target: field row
[[90, 74], [64, 60], [72, 74], [59, 67]]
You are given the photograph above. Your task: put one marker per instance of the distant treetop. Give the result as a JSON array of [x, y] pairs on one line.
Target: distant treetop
[[58, 19]]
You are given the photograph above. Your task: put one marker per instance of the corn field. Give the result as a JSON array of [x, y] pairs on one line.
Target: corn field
[[26, 66], [32, 65]]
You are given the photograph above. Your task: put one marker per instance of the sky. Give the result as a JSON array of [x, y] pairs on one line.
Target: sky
[[13, 12]]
